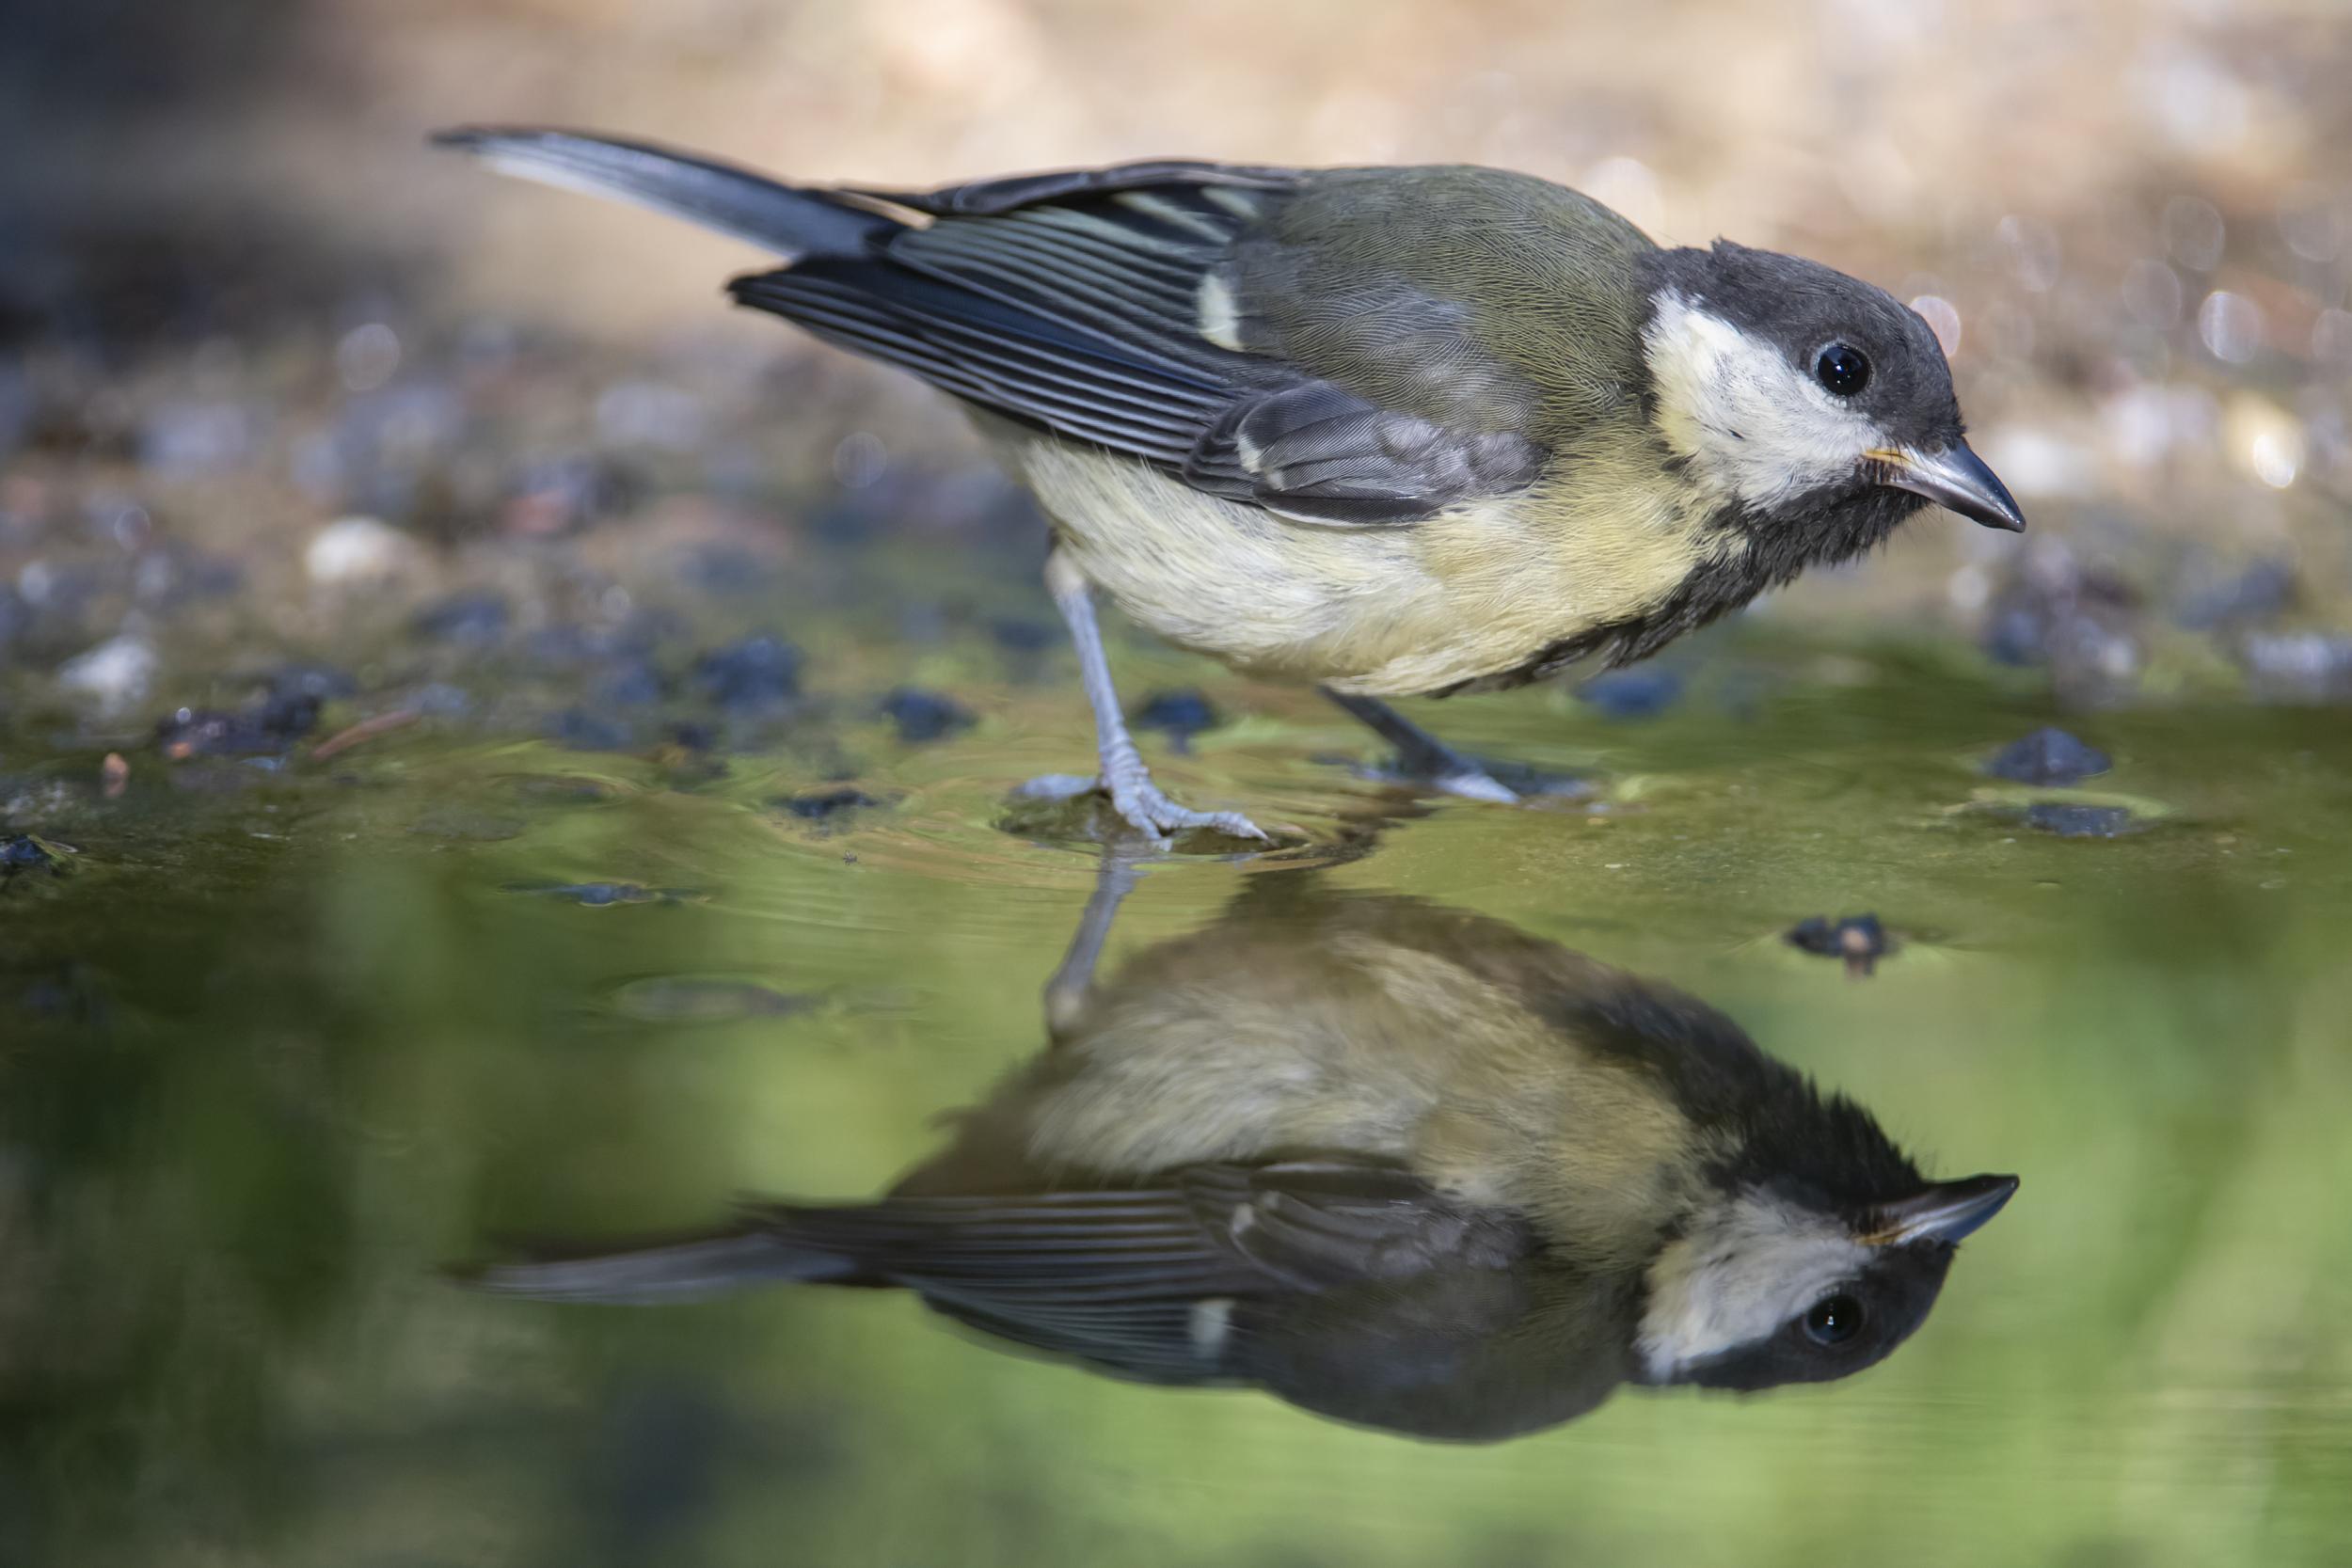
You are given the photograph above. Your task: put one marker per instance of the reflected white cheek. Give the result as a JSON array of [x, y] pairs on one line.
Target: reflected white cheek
[[1754, 428], [1736, 1278]]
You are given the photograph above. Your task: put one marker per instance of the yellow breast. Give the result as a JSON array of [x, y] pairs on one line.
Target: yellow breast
[[1383, 611]]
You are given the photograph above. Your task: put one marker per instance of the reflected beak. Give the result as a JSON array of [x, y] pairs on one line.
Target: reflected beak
[[1955, 478], [1943, 1212]]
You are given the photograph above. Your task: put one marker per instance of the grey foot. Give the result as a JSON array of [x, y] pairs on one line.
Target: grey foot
[[1140, 803], [1475, 778], [1425, 762], [1141, 807]]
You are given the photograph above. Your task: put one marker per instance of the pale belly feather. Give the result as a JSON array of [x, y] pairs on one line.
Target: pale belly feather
[[1382, 612]]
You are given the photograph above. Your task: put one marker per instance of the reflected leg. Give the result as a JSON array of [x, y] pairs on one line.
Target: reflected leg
[[1066, 993]]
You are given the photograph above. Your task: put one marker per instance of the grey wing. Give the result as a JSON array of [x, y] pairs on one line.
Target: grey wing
[[1163, 1283], [1101, 306]]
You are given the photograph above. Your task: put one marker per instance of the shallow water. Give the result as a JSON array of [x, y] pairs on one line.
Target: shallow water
[[282, 1047]]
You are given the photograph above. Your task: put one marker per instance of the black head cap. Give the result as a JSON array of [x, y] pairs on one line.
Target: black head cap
[[1808, 311]]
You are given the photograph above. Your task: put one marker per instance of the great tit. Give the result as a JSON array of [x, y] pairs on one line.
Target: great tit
[[1391, 1162], [1398, 432]]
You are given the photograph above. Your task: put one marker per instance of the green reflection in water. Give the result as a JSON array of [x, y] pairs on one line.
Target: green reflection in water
[[272, 1056]]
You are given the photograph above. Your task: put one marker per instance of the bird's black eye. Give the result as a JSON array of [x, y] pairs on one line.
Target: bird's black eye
[[1833, 1320], [1843, 368]]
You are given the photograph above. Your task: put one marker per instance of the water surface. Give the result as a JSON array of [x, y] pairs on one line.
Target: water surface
[[282, 1046]]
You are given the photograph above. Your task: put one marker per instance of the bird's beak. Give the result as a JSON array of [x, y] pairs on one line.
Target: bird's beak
[[1943, 1212], [1955, 476]]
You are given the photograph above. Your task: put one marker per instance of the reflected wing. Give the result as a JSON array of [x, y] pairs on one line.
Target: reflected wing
[[1163, 1283]]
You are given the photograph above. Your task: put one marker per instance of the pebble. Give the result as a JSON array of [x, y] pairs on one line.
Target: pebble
[[1638, 693], [2047, 756], [2304, 666], [823, 804], [923, 716], [2080, 821], [113, 676], [582, 729], [266, 728], [757, 675], [470, 619], [1858, 939], [1181, 714], [358, 550]]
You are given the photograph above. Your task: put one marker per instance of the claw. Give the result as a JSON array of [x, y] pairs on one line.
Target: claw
[[1157, 817]]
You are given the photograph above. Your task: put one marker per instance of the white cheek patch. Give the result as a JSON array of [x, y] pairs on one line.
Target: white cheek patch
[[1736, 1276], [1754, 428]]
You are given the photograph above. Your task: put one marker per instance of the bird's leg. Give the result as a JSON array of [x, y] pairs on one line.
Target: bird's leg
[[1128, 782], [1066, 993], [1420, 756]]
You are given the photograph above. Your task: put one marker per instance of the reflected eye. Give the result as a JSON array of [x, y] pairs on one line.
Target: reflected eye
[[1843, 368], [1833, 1320]]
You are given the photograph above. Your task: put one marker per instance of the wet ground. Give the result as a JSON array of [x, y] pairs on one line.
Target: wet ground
[[513, 928]]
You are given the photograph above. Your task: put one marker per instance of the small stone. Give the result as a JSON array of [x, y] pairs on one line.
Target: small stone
[[2260, 593], [2048, 756], [581, 729], [268, 727], [824, 805], [358, 550], [471, 620], [1181, 714], [113, 676], [597, 895], [2080, 821], [2299, 666], [1640, 693], [1857, 938], [21, 852], [922, 716], [755, 675]]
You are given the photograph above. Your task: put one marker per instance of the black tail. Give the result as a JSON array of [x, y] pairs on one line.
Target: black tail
[[792, 223], [687, 1270]]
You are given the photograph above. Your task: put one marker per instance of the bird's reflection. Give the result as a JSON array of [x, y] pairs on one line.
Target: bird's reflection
[[1395, 1163]]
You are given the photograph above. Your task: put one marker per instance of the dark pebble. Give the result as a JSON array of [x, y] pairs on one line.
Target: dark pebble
[[581, 730], [1181, 714], [666, 1000], [632, 683], [1858, 939], [2080, 821], [755, 675], [470, 619], [321, 681], [24, 852], [599, 894], [270, 726], [925, 715], [823, 804], [2259, 594], [1018, 636], [1632, 693], [692, 733], [2299, 666], [2048, 756]]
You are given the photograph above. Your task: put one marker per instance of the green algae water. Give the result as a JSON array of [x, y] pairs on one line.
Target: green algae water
[[281, 1045]]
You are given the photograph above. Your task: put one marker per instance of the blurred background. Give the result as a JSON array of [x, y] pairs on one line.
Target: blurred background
[[494, 742]]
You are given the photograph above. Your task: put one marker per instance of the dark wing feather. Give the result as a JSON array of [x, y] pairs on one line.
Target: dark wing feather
[[1072, 303], [1116, 1278]]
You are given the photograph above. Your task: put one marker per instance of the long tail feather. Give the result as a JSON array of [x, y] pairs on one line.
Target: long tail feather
[[676, 1271], [792, 223]]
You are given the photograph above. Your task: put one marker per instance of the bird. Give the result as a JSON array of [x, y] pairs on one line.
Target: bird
[[1397, 431], [1398, 1165]]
